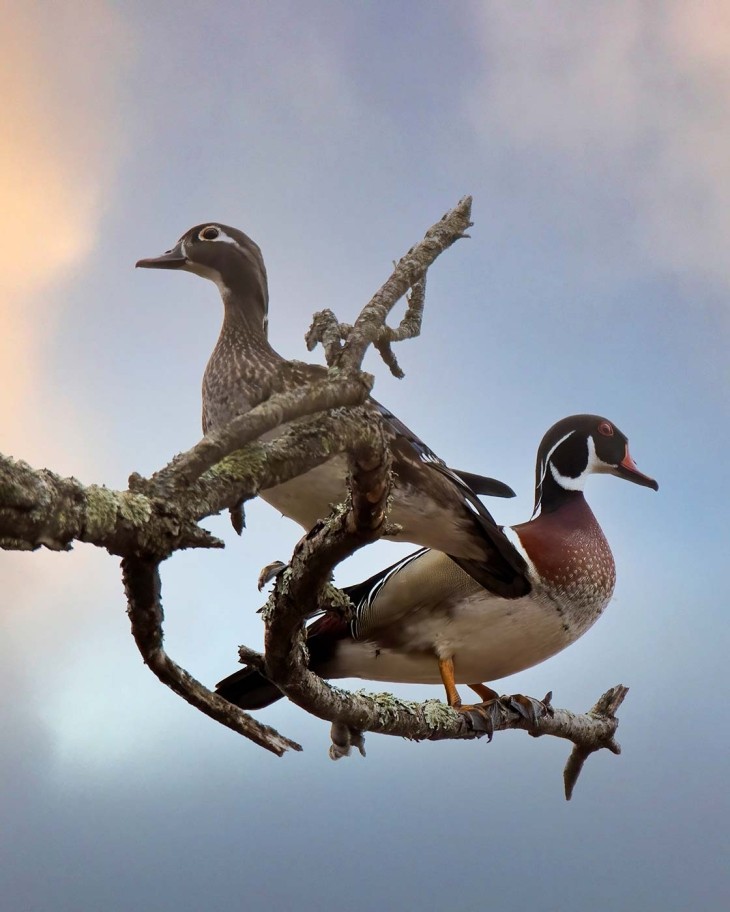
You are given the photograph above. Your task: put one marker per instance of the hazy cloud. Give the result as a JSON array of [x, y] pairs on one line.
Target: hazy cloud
[[58, 148], [631, 98]]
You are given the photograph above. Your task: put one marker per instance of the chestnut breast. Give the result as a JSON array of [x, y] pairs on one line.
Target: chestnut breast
[[572, 560]]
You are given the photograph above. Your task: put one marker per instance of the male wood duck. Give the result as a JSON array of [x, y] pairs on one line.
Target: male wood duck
[[424, 620], [433, 504]]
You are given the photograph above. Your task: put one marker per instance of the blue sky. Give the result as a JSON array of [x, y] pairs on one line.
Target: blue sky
[[595, 140]]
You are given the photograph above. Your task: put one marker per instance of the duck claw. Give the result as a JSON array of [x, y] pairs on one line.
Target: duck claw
[[270, 572], [344, 739], [529, 708], [483, 718]]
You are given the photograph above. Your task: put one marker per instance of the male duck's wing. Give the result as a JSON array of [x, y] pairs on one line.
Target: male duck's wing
[[413, 593]]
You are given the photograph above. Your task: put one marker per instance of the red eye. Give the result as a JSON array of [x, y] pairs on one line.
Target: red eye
[[606, 429]]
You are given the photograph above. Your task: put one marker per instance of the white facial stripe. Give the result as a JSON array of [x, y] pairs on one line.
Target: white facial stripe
[[594, 465], [565, 481], [550, 453], [207, 272], [222, 236], [545, 464]]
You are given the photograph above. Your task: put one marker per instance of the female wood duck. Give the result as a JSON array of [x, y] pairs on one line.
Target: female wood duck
[[424, 620], [434, 505]]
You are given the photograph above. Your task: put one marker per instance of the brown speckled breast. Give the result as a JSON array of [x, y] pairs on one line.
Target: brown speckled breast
[[572, 559], [243, 371]]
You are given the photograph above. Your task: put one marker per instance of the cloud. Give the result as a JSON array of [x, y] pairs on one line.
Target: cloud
[[624, 99], [58, 149]]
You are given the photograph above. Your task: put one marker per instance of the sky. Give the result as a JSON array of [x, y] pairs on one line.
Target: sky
[[595, 140]]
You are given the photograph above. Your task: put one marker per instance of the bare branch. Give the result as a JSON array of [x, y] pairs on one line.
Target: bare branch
[[38, 507], [334, 391], [143, 588], [409, 328], [596, 734], [297, 593], [370, 328], [408, 271], [326, 329]]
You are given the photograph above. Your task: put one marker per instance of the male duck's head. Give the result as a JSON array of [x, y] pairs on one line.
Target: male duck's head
[[577, 447], [227, 257]]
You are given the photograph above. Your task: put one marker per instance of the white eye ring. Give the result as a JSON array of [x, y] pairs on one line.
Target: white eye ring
[[605, 428], [209, 233]]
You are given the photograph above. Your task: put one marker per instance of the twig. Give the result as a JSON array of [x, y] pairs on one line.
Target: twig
[[408, 271], [143, 588], [596, 733], [327, 330], [409, 328], [370, 327], [332, 392]]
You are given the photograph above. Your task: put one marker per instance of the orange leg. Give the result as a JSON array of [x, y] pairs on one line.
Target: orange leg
[[446, 668], [481, 718], [484, 693], [484, 717]]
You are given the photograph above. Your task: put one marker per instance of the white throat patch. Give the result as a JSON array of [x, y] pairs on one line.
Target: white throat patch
[[207, 272], [594, 465]]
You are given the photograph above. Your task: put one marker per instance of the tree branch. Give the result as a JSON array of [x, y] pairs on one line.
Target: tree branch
[[409, 328], [38, 507], [335, 391], [157, 516], [143, 588], [370, 328], [593, 731]]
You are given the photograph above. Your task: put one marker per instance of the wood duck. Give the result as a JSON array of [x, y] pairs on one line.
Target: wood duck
[[434, 505], [424, 620]]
